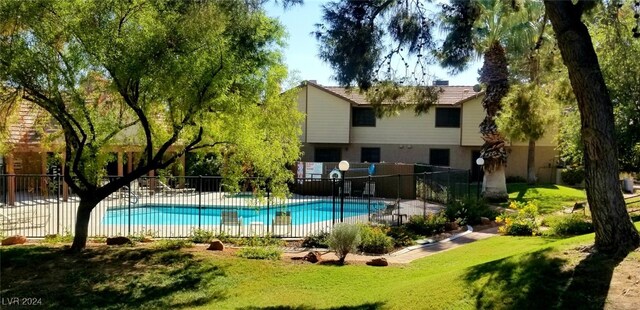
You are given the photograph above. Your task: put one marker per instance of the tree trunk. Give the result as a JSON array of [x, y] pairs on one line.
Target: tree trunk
[[494, 187], [531, 162], [615, 232], [494, 74], [82, 225]]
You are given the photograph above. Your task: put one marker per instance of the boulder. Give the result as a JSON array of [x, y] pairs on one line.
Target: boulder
[[216, 245], [313, 257], [146, 239], [451, 226], [485, 221], [14, 240], [381, 261], [118, 241]]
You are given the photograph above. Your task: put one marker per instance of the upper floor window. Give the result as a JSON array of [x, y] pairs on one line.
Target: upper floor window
[[327, 155], [439, 157], [363, 117], [370, 154], [448, 117]]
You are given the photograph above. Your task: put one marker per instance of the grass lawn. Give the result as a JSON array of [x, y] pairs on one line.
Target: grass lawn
[[550, 197], [499, 272]]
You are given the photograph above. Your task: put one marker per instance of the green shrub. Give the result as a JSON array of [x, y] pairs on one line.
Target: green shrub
[[468, 211], [224, 237], [401, 236], [138, 236], [344, 238], [256, 241], [427, 226], [568, 225], [375, 240], [270, 253], [431, 191], [317, 240], [572, 176], [201, 235], [173, 244], [66, 237], [520, 223]]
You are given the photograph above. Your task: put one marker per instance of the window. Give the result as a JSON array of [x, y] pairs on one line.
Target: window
[[327, 155], [363, 117], [448, 117], [370, 154], [439, 157]]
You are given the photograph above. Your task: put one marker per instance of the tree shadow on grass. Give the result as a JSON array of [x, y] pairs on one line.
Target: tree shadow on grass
[[541, 280], [109, 278], [365, 306]]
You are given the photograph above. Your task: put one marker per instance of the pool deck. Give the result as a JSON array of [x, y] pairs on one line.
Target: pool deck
[[36, 216]]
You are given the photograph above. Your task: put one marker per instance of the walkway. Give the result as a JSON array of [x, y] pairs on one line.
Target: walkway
[[405, 257]]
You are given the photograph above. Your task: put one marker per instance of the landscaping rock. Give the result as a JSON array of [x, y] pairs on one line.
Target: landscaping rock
[[14, 240], [146, 239], [118, 241], [313, 257], [216, 245], [451, 226], [381, 262], [485, 221]]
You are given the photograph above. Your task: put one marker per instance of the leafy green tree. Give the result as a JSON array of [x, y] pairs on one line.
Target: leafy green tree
[[170, 76], [527, 112], [614, 229]]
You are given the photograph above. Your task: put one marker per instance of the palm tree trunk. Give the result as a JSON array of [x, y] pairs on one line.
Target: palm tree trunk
[[615, 232], [531, 162], [494, 74]]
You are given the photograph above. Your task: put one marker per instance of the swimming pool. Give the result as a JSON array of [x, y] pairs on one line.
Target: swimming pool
[[301, 213]]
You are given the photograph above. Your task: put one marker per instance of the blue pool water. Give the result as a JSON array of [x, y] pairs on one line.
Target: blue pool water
[[301, 213]]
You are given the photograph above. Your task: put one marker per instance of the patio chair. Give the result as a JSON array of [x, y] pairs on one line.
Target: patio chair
[[138, 190], [231, 223], [282, 223], [347, 188], [167, 190], [369, 189], [385, 215], [23, 218]]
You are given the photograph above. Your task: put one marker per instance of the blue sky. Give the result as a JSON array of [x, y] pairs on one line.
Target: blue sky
[[301, 54]]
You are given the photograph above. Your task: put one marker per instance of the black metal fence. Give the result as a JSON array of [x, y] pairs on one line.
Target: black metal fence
[[37, 205]]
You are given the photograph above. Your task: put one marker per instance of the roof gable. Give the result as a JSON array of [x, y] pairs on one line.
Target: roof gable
[[450, 95]]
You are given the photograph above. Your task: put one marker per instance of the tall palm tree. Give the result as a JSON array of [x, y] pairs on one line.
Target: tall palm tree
[[497, 25]]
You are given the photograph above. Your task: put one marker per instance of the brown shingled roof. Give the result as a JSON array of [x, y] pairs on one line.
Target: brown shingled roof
[[450, 95], [24, 129]]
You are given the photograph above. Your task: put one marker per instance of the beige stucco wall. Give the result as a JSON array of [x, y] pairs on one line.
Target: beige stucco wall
[[406, 128], [328, 117], [545, 164], [472, 116]]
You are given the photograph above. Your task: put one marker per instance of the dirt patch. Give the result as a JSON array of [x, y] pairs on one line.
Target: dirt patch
[[624, 289]]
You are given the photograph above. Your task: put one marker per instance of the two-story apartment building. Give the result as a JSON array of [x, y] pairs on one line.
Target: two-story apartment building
[[341, 125]]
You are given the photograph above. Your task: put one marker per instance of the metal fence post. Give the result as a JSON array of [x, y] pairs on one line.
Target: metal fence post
[[369, 197], [129, 211], [450, 191], [424, 194], [469, 184], [58, 204], [268, 204], [333, 199], [200, 202]]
